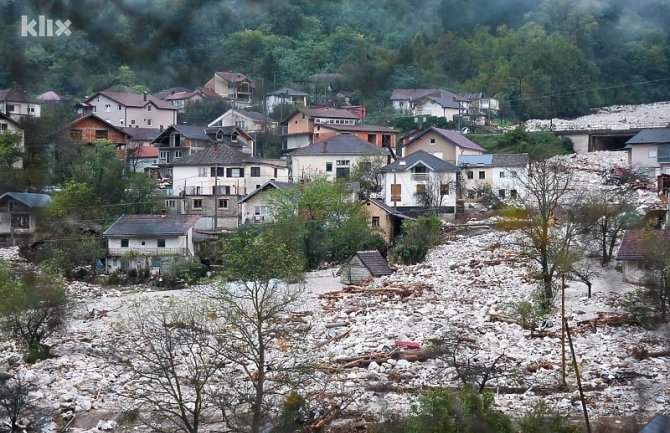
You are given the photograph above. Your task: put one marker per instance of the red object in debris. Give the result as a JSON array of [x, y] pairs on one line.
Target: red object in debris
[[408, 344]]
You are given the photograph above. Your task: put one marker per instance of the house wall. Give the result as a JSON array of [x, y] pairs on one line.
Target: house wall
[[156, 118], [298, 141], [450, 152], [354, 272], [249, 206], [306, 167], [512, 180], [403, 105], [19, 209], [408, 187], [234, 118], [632, 271], [643, 156], [176, 248], [325, 133], [192, 177], [272, 101], [20, 109], [432, 108], [385, 228], [476, 182], [298, 123]]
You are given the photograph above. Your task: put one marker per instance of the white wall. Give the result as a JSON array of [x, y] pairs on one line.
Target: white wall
[[408, 188]]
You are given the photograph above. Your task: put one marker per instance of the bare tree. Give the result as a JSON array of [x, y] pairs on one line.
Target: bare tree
[[14, 401], [604, 216], [431, 195], [261, 283], [546, 188], [169, 345], [368, 172]]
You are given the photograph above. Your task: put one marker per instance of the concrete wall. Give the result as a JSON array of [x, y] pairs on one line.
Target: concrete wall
[[408, 188]]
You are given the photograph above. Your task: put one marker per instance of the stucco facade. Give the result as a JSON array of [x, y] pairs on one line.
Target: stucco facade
[[120, 112]]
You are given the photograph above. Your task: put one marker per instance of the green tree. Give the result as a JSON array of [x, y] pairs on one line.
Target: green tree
[[33, 307], [10, 152], [260, 283], [417, 237], [75, 201], [141, 195], [543, 419], [204, 111], [367, 171]]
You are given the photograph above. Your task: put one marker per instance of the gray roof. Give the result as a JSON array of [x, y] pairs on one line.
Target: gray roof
[[450, 135], [475, 160], [217, 154], [287, 91], [425, 158], [388, 209], [650, 136], [343, 144], [255, 115], [375, 262], [29, 199], [142, 134], [152, 225], [445, 102], [194, 132], [510, 160], [267, 185]]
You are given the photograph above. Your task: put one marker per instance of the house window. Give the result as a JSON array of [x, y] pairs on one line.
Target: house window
[[143, 243], [470, 174], [343, 163], [3, 126], [235, 172], [262, 212], [444, 189], [75, 134], [275, 172], [221, 190], [502, 174], [223, 203], [101, 134], [202, 171], [149, 122], [342, 173], [108, 108], [11, 108], [652, 153], [13, 205], [148, 107], [329, 167], [164, 154], [121, 121], [512, 193], [161, 243], [217, 171], [375, 221], [197, 203], [396, 191], [124, 243], [119, 107], [501, 193], [20, 221], [255, 172], [421, 188], [482, 175], [514, 174], [170, 204], [432, 141], [177, 154], [132, 121]]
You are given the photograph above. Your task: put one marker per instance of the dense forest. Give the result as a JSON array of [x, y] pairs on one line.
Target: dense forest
[[540, 59]]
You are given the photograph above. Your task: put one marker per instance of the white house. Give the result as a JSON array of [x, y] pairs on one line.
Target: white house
[[503, 173], [153, 242], [285, 95], [7, 124], [132, 109], [249, 121], [210, 183], [446, 106], [643, 150], [333, 157], [16, 104], [257, 206], [234, 87], [418, 181]]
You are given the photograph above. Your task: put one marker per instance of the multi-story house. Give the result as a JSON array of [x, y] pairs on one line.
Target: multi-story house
[[234, 87], [333, 157], [210, 183], [20, 215], [249, 121], [91, 128], [649, 151], [505, 174], [152, 242], [285, 95], [8, 125], [298, 129], [445, 144], [131, 109], [16, 104], [380, 136], [420, 182], [257, 205]]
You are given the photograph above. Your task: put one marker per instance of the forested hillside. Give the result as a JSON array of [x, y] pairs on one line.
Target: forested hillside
[[549, 58]]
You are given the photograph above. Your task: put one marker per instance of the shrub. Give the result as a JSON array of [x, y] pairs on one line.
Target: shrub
[[418, 237], [542, 419]]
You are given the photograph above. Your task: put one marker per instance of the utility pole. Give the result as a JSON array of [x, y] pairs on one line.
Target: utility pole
[[216, 196], [564, 383], [579, 379]]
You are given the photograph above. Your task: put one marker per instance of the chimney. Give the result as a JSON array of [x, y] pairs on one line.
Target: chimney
[[145, 95]]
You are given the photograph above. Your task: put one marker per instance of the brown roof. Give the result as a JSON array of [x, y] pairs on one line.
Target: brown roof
[[375, 262], [233, 77], [100, 120], [413, 94], [631, 246], [134, 99], [453, 136], [11, 95]]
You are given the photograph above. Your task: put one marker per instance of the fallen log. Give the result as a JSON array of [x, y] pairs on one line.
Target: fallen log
[[501, 318], [331, 339]]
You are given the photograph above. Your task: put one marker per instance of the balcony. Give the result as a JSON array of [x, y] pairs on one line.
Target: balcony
[[119, 252], [420, 177]]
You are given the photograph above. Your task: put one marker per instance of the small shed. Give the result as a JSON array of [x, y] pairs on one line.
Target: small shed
[[364, 265]]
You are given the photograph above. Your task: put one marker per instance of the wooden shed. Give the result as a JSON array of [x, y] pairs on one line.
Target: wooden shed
[[364, 265]]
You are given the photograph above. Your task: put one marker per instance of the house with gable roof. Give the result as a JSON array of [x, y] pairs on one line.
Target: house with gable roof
[[154, 242], [131, 109], [333, 157], [299, 128], [285, 95], [16, 104], [7, 124], [178, 141], [90, 128], [445, 144], [20, 214], [234, 87], [420, 179], [210, 183], [632, 254], [249, 121], [503, 173], [364, 265], [648, 150], [257, 206]]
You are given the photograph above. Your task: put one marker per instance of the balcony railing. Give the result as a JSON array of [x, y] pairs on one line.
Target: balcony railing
[[118, 252], [420, 177]]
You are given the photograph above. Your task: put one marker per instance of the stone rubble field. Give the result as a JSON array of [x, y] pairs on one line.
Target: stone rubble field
[[460, 292]]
